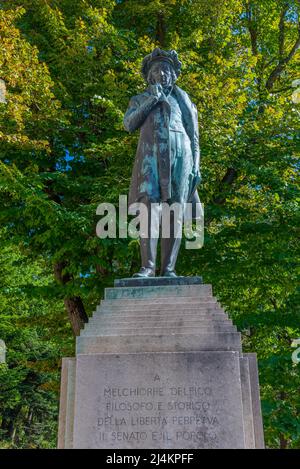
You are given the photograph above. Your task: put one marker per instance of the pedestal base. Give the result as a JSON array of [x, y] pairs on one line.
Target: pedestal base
[[160, 367]]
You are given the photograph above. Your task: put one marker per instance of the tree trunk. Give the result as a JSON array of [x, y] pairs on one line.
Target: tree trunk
[[7, 425], [73, 304], [228, 179], [76, 312], [161, 29], [283, 442]]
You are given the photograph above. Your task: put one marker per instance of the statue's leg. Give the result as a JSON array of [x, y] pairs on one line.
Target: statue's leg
[[148, 245], [181, 167], [169, 250]]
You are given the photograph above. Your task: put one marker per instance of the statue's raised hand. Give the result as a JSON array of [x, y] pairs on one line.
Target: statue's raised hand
[[157, 91]]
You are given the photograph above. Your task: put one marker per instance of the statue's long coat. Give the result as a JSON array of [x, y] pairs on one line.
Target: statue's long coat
[[151, 174]]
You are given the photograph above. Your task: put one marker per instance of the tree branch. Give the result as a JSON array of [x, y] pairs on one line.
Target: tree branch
[[252, 29], [228, 179], [161, 29], [275, 74], [281, 35], [281, 90], [73, 304]]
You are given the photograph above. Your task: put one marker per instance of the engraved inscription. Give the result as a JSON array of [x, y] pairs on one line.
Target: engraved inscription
[[159, 400], [158, 414]]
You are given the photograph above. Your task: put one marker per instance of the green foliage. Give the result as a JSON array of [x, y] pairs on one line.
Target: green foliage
[[36, 336], [69, 70]]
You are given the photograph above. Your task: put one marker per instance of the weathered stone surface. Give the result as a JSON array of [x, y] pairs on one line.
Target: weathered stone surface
[[162, 300], [247, 403], [192, 400], [158, 322], [67, 399], [159, 343], [256, 407], [138, 331], [157, 281], [208, 314], [145, 313], [165, 307], [196, 291], [158, 316], [159, 331]]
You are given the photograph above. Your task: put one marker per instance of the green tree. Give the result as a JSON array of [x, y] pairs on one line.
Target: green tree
[[36, 336], [70, 69]]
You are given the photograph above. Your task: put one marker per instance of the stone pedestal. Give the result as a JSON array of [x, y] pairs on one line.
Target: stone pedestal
[[160, 366]]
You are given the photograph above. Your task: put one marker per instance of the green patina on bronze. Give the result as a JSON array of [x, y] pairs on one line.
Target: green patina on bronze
[[153, 174], [166, 167]]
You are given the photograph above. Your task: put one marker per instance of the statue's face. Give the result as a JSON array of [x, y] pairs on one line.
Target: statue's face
[[161, 72]]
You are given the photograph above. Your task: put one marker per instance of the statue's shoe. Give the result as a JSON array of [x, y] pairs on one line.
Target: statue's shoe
[[145, 272], [169, 273]]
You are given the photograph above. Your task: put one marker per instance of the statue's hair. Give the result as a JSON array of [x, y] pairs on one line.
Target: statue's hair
[[169, 56]]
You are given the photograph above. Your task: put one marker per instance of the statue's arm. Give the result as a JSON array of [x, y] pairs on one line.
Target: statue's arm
[[137, 113]]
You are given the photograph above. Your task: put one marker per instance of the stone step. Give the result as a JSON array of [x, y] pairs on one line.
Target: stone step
[[160, 315], [176, 314], [230, 341], [196, 291], [169, 320], [160, 301], [197, 329], [170, 315], [163, 298], [99, 326], [170, 305], [160, 312], [157, 306], [157, 281], [164, 313]]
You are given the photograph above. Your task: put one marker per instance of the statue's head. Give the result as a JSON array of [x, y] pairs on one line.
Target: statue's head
[[161, 67]]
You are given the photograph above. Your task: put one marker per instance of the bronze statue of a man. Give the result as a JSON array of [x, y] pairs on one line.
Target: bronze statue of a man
[[166, 167]]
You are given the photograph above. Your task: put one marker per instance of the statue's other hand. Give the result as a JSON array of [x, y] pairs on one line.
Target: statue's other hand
[[196, 173]]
